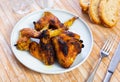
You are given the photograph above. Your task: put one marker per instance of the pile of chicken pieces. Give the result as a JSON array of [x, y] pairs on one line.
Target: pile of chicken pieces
[[55, 41]]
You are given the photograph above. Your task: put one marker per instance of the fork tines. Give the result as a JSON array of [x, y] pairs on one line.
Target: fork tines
[[109, 44]]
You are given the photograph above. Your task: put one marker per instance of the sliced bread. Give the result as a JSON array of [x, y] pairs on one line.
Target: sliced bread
[[108, 12], [84, 5], [93, 11]]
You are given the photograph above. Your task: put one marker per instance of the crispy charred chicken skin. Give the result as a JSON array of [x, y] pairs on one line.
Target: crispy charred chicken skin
[[46, 48], [67, 47]]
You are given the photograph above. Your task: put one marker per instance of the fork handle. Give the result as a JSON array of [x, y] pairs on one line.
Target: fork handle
[[91, 77]]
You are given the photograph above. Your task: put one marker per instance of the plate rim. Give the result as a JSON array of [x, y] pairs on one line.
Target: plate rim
[[65, 11]]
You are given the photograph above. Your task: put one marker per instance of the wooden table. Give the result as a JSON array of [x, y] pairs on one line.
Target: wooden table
[[12, 70]]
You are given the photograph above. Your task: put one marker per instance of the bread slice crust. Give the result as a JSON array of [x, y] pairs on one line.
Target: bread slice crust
[[93, 11], [84, 4], [108, 12]]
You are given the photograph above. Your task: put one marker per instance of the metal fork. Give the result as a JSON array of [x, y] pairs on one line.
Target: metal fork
[[104, 52]]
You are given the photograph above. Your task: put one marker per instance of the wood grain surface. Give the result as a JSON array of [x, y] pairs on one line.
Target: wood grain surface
[[11, 70]]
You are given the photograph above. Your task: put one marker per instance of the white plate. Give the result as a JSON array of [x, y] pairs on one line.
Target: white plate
[[79, 27]]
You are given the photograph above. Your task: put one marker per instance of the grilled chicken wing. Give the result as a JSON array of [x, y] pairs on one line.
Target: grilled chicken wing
[[67, 47], [50, 21], [24, 38], [43, 52], [46, 47]]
